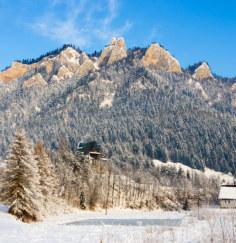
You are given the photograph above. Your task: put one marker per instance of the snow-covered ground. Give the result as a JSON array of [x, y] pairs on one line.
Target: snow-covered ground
[[209, 173], [123, 226]]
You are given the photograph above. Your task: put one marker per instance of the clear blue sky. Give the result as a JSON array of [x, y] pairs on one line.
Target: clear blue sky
[[192, 30]]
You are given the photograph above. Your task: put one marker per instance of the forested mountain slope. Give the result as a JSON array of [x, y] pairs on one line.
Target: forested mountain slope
[[138, 104]]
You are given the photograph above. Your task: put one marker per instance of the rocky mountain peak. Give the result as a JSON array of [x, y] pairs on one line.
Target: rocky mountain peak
[[115, 51], [158, 58], [70, 58], [202, 72], [14, 72], [72, 62], [120, 42], [86, 65], [64, 73]]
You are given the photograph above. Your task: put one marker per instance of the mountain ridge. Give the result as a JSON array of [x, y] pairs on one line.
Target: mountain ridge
[[137, 113], [115, 42]]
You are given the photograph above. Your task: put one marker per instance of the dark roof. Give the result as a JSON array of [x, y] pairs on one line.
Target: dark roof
[[88, 147], [228, 185]]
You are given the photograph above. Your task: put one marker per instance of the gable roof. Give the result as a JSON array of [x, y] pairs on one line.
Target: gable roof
[[227, 192]]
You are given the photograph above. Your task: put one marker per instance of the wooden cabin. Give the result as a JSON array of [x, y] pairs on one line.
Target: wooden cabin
[[86, 148], [92, 149], [227, 196]]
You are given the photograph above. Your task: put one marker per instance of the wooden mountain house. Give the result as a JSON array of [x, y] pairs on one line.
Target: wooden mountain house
[[92, 149]]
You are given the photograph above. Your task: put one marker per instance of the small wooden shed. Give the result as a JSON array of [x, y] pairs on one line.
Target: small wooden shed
[[227, 196], [88, 147]]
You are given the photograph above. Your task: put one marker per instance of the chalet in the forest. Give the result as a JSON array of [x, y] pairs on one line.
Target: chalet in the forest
[[92, 149], [227, 196]]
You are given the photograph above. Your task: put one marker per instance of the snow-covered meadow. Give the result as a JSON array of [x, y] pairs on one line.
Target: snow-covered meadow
[[209, 225]]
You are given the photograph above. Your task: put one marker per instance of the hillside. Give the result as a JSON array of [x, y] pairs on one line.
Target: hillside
[[138, 103]]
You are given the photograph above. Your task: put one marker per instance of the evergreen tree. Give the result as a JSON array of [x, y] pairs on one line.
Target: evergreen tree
[[48, 180], [21, 182]]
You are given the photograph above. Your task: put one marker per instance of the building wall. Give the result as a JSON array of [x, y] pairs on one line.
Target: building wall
[[228, 203]]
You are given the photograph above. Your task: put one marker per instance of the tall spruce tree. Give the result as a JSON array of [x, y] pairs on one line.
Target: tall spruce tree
[[21, 184], [48, 180]]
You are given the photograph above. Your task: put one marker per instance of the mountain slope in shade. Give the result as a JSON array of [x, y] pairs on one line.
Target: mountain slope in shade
[[138, 103]]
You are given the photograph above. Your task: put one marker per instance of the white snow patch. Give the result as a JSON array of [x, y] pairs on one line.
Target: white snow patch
[[138, 86], [37, 109], [209, 173], [199, 87], [190, 81], [176, 165], [107, 102], [2, 165], [3, 209], [96, 65]]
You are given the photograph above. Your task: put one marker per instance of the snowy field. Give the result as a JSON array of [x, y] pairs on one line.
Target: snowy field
[[120, 226]]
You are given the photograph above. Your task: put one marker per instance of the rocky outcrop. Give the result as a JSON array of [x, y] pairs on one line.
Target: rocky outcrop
[[115, 51], [86, 65], [202, 72], [54, 79], [64, 73], [37, 80], [233, 88], [66, 64], [158, 58], [73, 63], [47, 64], [70, 58], [14, 72]]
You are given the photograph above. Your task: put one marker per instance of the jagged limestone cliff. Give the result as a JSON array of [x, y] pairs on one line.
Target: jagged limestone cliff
[[202, 72], [115, 51], [158, 58], [14, 72]]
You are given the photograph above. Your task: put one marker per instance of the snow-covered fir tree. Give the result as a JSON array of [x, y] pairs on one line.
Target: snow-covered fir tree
[[48, 180], [21, 184]]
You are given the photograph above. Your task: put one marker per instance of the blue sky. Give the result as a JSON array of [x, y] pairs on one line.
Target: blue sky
[[192, 30]]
